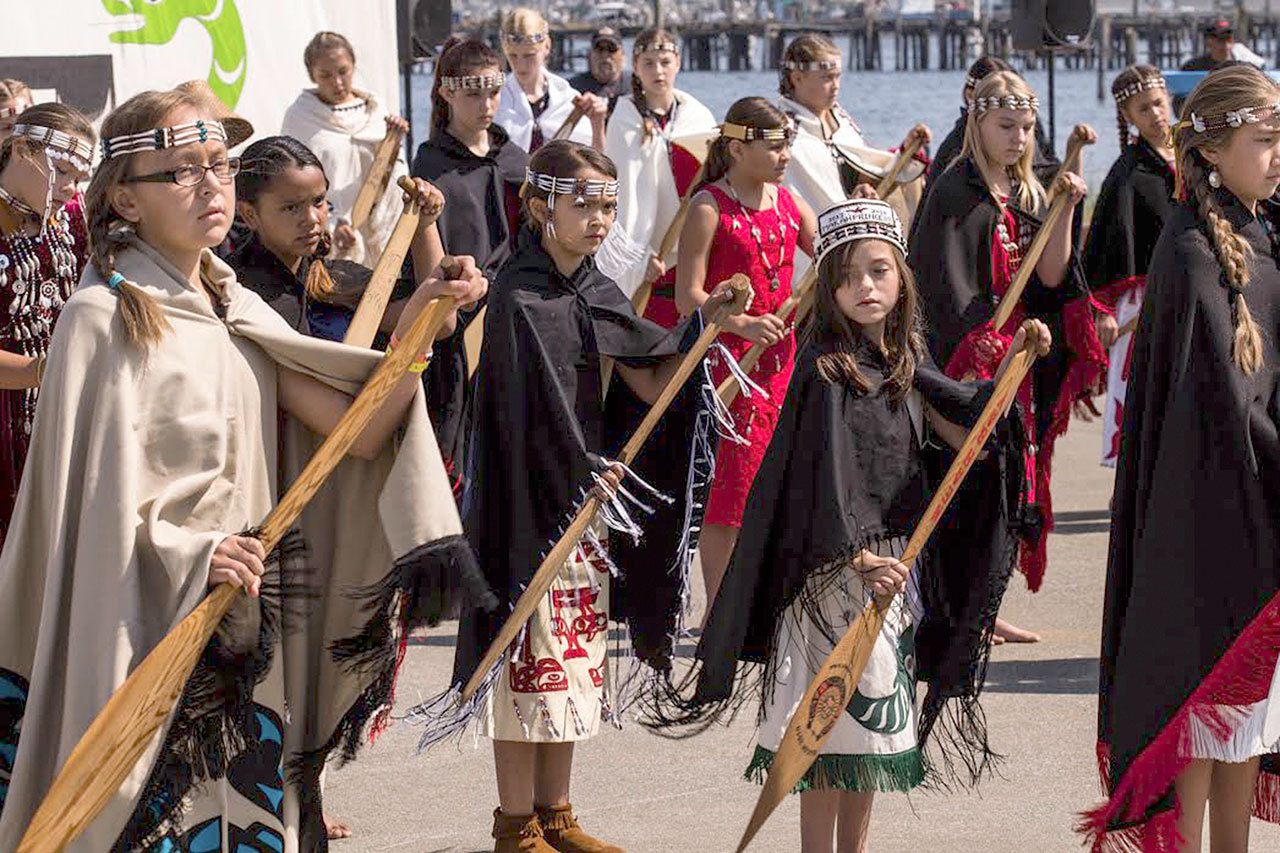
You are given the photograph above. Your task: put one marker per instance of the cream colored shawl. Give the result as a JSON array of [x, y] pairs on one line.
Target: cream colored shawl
[[140, 464], [515, 116], [346, 140]]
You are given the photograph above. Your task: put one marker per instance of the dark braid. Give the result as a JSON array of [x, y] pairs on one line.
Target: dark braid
[[1122, 126]]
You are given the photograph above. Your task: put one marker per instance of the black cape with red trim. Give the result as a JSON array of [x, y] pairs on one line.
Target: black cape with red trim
[[1192, 617], [538, 431], [1135, 200], [478, 220]]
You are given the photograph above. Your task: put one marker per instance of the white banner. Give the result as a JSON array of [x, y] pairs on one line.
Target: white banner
[[95, 54]]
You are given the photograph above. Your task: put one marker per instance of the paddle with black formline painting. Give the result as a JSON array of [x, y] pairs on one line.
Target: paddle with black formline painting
[[117, 738], [829, 691]]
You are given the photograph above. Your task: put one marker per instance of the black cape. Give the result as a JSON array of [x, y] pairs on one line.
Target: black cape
[[843, 472], [477, 220], [538, 424], [1046, 163], [1191, 615]]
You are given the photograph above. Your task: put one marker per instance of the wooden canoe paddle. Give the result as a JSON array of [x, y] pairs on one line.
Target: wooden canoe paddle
[[125, 727], [373, 304], [566, 129], [555, 559], [889, 182], [640, 299], [375, 182], [1074, 146], [1009, 301], [830, 690], [730, 388]]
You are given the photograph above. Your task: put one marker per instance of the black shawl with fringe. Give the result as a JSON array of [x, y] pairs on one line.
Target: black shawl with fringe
[[1191, 624], [843, 471], [539, 423]]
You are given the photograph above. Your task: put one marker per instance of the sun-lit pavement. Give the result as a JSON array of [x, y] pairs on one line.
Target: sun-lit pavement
[[652, 795]]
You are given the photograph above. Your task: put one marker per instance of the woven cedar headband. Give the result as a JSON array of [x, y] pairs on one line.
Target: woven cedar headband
[[858, 219], [473, 81], [570, 186], [61, 146], [1007, 102], [164, 137], [1233, 118], [748, 133], [819, 65], [1142, 84]]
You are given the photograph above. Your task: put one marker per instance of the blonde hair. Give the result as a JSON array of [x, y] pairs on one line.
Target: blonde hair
[[144, 321], [1233, 88], [1031, 194], [523, 21]]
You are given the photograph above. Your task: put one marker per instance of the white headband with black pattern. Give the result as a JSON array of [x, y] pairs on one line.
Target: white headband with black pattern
[[750, 133], [587, 188], [1007, 102], [818, 65], [473, 81], [58, 145], [1142, 84], [201, 130], [858, 219], [659, 47], [1232, 118]]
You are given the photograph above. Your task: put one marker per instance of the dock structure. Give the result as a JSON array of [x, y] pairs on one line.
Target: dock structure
[[925, 43]]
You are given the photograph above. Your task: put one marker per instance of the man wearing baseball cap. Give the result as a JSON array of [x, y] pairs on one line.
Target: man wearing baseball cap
[[1219, 39], [606, 77]]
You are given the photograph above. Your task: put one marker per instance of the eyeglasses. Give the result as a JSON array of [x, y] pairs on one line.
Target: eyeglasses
[[191, 174]]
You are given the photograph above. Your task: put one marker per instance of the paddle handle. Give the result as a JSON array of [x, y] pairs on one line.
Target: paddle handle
[[373, 304], [375, 183], [565, 130], [1028, 265], [1128, 327], [640, 299], [730, 387], [1074, 146], [890, 180], [122, 730], [848, 659], [554, 561]]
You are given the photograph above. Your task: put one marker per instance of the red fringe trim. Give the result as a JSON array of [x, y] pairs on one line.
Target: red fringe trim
[[1108, 296], [1240, 678]]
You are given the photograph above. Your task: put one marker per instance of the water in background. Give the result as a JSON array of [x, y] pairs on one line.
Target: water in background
[[886, 104]]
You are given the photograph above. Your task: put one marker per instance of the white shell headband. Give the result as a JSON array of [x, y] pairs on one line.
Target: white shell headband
[[1233, 118], [473, 81], [58, 145], [819, 65], [524, 38], [570, 186], [1007, 102], [659, 47], [163, 137], [858, 219], [749, 133], [971, 82], [1142, 84]]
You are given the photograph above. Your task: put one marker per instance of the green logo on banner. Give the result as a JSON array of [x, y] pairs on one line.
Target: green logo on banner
[[158, 23]]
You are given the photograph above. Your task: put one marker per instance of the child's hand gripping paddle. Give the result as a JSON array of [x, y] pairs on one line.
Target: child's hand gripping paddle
[[125, 727], [838, 677], [740, 287], [377, 293], [730, 388], [375, 183]]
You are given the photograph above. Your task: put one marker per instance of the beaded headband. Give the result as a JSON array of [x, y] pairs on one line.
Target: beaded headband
[[524, 38], [473, 81], [1142, 84], [659, 47], [858, 219], [570, 186], [971, 82], [164, 137], [749, 133], [11, 112], [1008, 102], [819, 65], [58, 145], [1233, 118]]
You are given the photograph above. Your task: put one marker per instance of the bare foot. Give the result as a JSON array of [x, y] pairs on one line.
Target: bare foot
[[1011, 633], [996, 639], [336, 828]]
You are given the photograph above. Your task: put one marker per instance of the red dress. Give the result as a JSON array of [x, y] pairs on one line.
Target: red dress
[[735, 250]]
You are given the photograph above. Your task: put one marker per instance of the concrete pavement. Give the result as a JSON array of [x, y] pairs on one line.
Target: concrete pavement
[[652, 795]]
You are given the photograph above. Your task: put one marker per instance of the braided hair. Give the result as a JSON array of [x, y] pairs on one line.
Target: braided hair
[[1229, 89], [1126, 78]]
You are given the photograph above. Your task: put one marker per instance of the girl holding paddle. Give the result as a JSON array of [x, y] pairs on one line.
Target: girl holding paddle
[[1135, 200], [655, 171], [743, 221], [181, 407], [844, 482], [966, 251], [345, 127]]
